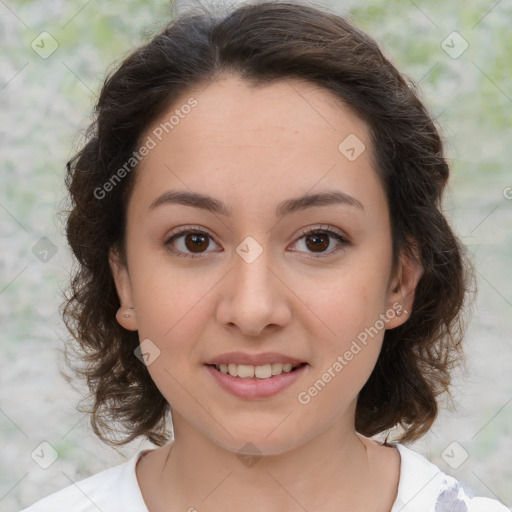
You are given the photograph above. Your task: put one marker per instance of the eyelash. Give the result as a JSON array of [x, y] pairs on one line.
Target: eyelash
[[343, 242]]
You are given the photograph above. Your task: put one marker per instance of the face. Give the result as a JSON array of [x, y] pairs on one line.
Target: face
[[254, 271]]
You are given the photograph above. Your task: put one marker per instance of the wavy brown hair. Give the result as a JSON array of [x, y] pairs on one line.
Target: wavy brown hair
[[263, 42]]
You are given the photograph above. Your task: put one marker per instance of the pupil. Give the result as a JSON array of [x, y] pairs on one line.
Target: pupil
[[197, 240], [318, 244]]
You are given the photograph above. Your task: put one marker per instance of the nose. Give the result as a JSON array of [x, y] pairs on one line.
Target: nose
[[254, 297]]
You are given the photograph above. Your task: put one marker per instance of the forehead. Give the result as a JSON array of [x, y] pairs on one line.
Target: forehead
[[281, 139], [232, 110]]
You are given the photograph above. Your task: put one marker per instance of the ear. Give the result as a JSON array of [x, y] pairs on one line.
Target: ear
[[126, 313], [402, 288]]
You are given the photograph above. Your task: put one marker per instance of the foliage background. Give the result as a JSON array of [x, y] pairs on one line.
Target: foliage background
[[46, 103]]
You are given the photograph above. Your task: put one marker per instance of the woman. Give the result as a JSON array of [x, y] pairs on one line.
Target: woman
[[256, 216]]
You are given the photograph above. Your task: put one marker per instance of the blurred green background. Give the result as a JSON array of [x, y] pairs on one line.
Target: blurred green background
[[46, 103]]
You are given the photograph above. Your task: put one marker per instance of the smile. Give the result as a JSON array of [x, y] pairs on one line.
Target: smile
[[253, 382], [247, 371]]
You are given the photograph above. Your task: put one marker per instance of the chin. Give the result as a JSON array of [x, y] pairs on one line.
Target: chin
[[258, 442]]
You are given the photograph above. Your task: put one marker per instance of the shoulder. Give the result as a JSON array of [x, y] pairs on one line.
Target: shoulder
[[423, 487], [110, 490]]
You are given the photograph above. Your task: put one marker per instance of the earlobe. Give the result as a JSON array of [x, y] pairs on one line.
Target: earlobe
[[126, 313], [403, 288]]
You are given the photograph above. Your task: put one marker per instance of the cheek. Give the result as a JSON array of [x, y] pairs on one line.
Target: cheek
[[352, 328], [168, 293], [351, 299], [345, 355], [172, 307], [347, 325]]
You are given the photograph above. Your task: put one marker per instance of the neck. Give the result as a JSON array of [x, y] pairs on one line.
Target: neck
[[332, 471]]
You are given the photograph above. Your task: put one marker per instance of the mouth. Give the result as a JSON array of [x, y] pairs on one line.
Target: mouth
[[251, 382], [248, 371]]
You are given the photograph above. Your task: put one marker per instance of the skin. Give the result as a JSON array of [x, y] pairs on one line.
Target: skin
[[252, 148]]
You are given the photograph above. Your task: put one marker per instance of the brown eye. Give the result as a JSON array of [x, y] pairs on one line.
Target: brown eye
[[189, 243], [317, 242], [196, 242]]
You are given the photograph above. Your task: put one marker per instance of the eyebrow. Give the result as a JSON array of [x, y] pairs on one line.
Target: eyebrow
[[208, 203]]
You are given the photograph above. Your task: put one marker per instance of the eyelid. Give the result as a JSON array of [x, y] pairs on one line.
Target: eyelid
[[324, 228], [184, 230], [331, 231], [342, 239]]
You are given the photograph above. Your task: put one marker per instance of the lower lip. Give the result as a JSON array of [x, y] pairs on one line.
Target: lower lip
[[254, 387]]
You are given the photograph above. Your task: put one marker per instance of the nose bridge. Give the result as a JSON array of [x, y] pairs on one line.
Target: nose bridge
[[253, 297], [252, 277], [251, 268]]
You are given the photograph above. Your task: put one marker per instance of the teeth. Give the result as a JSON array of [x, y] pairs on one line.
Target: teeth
[[247, 371]]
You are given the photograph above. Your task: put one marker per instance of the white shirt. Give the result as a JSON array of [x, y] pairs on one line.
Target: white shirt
[[422, 487]]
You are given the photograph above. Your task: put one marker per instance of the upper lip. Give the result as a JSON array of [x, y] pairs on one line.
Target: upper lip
[[253, 359]]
